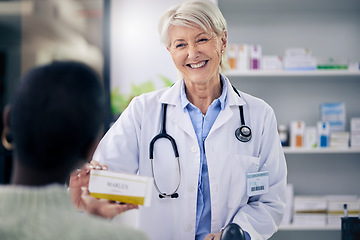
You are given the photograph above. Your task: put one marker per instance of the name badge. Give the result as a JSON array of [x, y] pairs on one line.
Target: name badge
[[257, 183]]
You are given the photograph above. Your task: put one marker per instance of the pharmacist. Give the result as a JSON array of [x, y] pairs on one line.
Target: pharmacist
[[230, 165]]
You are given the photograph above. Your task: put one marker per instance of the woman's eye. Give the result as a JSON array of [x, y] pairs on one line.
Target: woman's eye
[[203, 40], [180, 45]]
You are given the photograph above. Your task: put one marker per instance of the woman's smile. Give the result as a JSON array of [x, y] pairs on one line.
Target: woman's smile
[[197, 65]]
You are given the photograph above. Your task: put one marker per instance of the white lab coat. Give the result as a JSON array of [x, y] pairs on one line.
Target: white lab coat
[[125, 148]]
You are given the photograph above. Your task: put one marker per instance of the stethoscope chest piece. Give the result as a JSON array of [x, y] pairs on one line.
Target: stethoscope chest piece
[[243, 133]]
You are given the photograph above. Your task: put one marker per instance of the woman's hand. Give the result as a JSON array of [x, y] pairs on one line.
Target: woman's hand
[[213, 236], [79, 182]]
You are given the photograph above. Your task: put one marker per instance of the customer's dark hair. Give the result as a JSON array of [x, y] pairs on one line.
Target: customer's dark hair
[[56, 114]]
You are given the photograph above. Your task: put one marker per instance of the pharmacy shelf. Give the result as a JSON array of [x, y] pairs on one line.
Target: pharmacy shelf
[[293, 150], [281, 73], [292, 227]]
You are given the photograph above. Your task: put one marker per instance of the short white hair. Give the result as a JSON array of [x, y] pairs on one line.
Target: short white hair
[[202, 13]]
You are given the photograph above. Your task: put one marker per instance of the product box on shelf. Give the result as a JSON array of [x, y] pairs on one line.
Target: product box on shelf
[[255, 57], [233, 56], [299, 59], [355, 132], [323, 134], [310, 137], [288, 213], [334, 113], [310, 210], [331, 64], [297, 133], [271, 63], [243, 60], [339, 140], [336, 208]]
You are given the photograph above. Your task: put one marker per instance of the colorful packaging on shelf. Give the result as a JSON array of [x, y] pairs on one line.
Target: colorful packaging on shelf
[[310, 137], [331, 64], [127, 188], [334, 113], [323, 130], [297, 133], [233, 56], [255, 57]]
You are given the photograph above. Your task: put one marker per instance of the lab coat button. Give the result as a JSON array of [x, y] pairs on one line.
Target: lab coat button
[[187, 228], [194, 149]]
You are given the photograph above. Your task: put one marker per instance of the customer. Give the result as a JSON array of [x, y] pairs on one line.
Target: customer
[[54, 122]]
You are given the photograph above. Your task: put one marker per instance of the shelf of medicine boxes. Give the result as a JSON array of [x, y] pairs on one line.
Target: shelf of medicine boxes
[[299, 150], [283, 73], [292, 227]]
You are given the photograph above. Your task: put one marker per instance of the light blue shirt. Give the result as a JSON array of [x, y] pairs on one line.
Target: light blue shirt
[[202, 125]]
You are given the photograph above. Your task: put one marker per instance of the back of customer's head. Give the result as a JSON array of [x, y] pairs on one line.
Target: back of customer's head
[[56, 115]]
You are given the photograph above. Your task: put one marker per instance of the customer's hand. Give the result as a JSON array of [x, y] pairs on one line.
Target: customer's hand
[[79, 183], [103, 207], [78, 179]]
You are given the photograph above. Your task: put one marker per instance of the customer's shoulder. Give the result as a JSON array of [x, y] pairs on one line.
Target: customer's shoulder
[[94, 228]]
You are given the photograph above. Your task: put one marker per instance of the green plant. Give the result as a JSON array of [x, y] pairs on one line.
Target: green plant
[[120, 101]]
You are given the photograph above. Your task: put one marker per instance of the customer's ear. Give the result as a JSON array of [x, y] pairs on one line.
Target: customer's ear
[[6, 138], [6, 116]]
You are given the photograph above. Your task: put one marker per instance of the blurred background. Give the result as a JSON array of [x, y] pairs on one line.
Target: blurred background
[[35, 32]]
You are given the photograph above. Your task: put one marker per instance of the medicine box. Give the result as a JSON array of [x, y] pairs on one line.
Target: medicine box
[[334, 113], [355, 132], [297, 133], [126, 188]]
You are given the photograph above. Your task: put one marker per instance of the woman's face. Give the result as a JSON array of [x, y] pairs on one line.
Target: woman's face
[[196, 53]]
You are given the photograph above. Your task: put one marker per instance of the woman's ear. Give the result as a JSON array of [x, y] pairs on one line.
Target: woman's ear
[[223, 40]]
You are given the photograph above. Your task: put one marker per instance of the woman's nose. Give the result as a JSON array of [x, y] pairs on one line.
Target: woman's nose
[[193, 52]]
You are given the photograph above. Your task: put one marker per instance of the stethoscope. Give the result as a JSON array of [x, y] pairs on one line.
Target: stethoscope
[[243, 134]]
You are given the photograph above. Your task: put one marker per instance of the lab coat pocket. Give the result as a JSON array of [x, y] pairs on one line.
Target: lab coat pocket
[[240, 166]]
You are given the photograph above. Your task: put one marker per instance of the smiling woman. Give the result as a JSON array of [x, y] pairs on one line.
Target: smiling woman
[[214, 168]]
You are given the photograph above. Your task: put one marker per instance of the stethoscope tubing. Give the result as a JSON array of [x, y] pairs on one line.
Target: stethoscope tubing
[[243, 134], [163, 134]]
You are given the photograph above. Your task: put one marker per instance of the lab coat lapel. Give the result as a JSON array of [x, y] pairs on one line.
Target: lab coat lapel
[[175, 112], [182, 119], [233, 102], [222, 118]]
